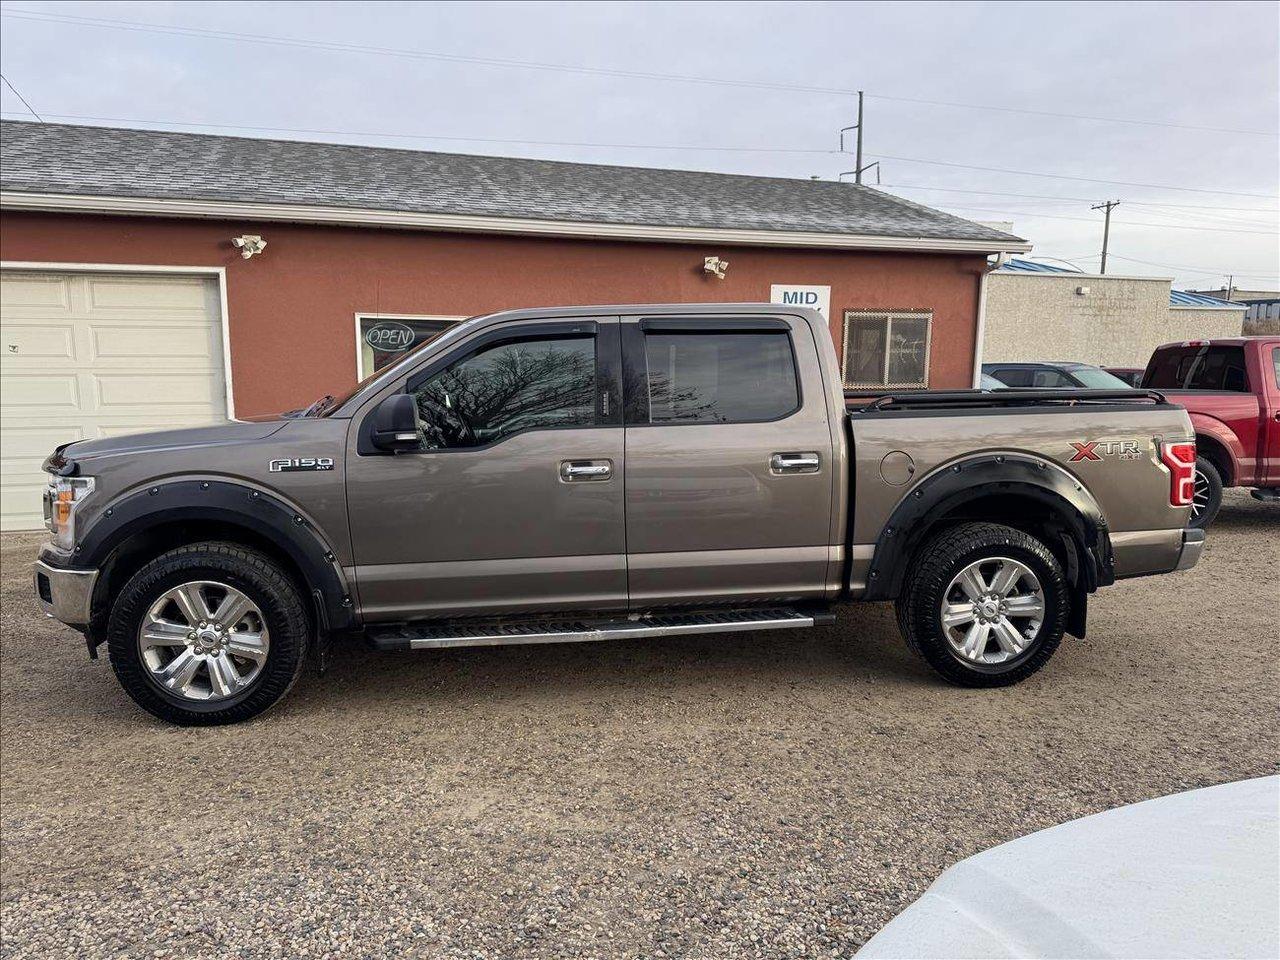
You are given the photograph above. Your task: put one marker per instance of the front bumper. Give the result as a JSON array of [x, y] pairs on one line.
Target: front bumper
[[1192, 547], [65, 595]]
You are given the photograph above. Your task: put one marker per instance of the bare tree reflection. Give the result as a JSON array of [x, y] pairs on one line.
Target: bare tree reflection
[[510, 388]]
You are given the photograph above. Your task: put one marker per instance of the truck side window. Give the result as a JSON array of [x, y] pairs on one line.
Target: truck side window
[[1050, 378], [509, 388], [720, 377], [1015, 376]]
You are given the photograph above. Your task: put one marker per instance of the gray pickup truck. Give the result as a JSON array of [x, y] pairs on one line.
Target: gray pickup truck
[[590, 473]]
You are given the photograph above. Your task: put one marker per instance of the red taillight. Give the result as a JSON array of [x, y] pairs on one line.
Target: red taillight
[[1180, 458]]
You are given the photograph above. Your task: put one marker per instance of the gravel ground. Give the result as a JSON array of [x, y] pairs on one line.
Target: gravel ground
[[778, 795]]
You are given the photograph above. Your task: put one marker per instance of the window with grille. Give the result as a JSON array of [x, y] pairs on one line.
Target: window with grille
[[886, 348]]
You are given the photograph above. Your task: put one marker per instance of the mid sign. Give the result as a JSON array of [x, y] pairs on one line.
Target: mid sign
[[794, 295]]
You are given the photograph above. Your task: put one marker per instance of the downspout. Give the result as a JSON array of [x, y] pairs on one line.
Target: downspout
[[982, 319]]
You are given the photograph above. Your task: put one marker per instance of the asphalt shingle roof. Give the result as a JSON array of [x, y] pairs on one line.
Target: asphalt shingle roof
[[111, 162]]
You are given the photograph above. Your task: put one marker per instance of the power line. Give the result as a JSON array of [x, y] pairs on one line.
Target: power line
[[1032, 214], [30, 109], [1050, 196], [1062, 176], [1207, 271], [145, 27], [1070, 116]]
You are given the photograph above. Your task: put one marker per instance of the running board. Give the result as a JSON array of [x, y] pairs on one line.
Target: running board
[[476, 633]]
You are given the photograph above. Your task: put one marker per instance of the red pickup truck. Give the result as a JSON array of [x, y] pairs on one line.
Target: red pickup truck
[[1231, 389]]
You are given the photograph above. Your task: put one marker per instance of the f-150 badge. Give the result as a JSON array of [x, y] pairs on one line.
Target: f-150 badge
[[1097, 449], [294, 464]]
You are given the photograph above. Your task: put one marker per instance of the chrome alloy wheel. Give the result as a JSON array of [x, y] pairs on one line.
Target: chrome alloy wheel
[[1199, 496], [203, 640], [992, 611]]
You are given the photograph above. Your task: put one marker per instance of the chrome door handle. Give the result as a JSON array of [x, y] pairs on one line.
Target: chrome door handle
[[572, 471], [794, 463]]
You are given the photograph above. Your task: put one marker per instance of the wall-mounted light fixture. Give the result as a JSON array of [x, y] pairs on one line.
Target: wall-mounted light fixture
[[249, 244], [1082, 291], [715, 266]]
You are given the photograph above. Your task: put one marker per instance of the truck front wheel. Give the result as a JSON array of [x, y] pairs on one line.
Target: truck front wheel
[[208, 634], [984, 604]]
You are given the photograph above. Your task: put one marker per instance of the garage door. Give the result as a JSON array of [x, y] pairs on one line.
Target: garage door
[[85, 355]]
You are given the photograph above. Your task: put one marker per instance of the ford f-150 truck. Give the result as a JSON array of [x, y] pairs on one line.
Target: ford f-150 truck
[[598, 472], [1231, 388]]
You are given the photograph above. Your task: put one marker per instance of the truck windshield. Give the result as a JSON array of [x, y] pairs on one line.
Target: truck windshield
[[1198, 368]]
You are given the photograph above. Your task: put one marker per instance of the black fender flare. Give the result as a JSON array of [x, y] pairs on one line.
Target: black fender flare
[[1090, 563], [235, 504]]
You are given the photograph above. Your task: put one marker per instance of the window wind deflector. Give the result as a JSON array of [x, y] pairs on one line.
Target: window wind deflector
[[713, 324]]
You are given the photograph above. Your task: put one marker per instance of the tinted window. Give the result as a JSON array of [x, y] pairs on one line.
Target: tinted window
[[1198, 368], [1047, 377], [508, 388], [1014, 376], [1275, 362], [720, 377]]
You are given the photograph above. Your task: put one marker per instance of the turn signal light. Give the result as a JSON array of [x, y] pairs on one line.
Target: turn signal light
[[1180, 458]]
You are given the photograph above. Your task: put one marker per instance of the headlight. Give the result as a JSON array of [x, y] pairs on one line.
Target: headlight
[[61, 497]]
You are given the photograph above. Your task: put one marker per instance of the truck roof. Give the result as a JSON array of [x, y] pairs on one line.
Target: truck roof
[[1217, 342]]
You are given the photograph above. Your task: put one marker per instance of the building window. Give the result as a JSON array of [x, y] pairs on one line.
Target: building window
[[382, 339], [886, 348]]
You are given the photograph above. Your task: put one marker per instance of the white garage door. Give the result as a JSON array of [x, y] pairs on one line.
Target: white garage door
[[85, 355]]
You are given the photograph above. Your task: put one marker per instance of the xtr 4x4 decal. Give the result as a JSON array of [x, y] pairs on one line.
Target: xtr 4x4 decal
[[1097, 449]]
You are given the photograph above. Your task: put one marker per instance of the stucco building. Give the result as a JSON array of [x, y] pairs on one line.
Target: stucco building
[[1035, 311], [128, 305]]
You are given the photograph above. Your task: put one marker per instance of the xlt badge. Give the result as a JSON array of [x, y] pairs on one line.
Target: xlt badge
[[294, 464]]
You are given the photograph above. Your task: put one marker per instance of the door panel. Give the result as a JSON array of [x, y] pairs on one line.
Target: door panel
[[500, 527], [711, 515]]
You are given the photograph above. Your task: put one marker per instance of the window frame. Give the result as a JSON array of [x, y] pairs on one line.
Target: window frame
[[361, 373], [889, 316], [635, 362], [607, 379]]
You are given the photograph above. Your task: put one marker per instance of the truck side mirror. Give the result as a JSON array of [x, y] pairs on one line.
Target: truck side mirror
[[395, 424]]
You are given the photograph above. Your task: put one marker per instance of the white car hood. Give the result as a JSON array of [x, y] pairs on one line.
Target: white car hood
[[1195, 874]]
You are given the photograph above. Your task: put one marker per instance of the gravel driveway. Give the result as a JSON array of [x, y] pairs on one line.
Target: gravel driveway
[[777, 795]]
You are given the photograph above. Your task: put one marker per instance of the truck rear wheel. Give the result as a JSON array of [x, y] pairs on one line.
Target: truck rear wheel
[[208, 634], [986, 605]]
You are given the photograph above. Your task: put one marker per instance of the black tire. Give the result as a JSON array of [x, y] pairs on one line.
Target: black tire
[[253, 573], [1208, 477], [939, 561]]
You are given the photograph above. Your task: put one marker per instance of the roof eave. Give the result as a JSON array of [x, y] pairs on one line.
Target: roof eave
[[462, 223]]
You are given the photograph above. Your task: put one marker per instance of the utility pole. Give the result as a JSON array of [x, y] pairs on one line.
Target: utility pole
[[1108, 206], [858, 169], [857, 160], [1231, 283]]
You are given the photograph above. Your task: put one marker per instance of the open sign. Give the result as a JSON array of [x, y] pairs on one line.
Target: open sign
[[389, 336]]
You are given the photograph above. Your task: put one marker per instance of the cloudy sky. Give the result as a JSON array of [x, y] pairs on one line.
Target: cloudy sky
[[1197, 177]]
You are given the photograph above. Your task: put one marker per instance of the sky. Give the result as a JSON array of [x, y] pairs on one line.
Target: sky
[[1197, 179]]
